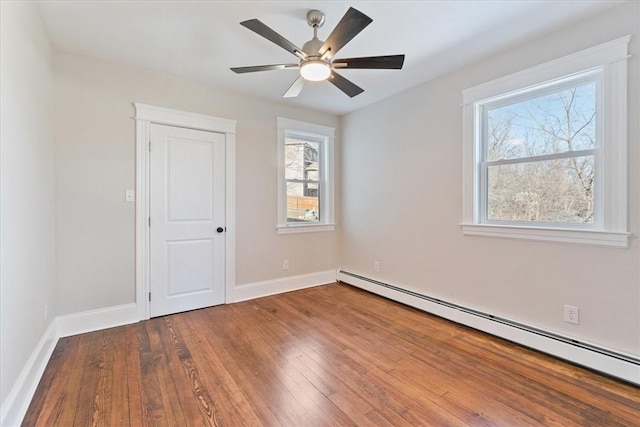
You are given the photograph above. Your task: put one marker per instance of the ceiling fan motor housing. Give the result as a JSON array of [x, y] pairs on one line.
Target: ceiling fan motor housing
[[312, 47]]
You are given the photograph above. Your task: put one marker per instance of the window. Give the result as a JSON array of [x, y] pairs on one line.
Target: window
[[305, 177], [538, 155], [545, 151], [301, 161]]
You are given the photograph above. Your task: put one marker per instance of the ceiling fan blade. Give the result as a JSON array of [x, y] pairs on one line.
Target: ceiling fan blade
[[261, 29], [349, 26], [347, 86], [295, 89], [253, 69], [387, 62]]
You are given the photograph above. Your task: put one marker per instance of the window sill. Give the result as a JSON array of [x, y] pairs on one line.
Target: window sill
[[584, 237], [304, 228]]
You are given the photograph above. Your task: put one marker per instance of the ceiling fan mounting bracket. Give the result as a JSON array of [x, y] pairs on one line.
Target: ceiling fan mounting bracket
[[315, 18]]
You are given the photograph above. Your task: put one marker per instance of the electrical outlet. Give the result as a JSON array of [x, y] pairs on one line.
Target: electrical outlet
[[571, 314], [285, 264], [376, 266]]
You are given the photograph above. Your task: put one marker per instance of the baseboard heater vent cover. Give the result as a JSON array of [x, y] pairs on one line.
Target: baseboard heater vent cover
[[500, 320]]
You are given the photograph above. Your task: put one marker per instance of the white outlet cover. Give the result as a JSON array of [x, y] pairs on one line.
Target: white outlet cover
[[572, 314]]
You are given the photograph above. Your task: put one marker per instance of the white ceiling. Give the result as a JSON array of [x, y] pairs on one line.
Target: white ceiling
[[201, 40]]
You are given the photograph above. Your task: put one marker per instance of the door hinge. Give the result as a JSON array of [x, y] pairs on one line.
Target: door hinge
[[149, 296], [149, 145], [149, 221]]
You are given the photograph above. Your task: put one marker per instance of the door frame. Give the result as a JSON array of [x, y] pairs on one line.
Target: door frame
[[145, 116]]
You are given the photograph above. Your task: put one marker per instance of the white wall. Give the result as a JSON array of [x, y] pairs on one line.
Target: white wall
[[95, 163], [402, 205], [26, 185]]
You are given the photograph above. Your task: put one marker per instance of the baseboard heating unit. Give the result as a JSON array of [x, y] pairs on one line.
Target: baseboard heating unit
[[619, 365]]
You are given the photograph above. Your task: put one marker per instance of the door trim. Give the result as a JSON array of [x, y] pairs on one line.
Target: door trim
[[146, 115]]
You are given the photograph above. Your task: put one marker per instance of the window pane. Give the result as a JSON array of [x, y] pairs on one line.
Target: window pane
[[555, 123], [301, 159], [547, 191], [303, 203]]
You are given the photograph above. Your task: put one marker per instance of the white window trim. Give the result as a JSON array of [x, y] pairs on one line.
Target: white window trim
[[611, 58], [327, 177]]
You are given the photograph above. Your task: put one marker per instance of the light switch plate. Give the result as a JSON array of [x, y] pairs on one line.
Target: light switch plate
[[130, 196]]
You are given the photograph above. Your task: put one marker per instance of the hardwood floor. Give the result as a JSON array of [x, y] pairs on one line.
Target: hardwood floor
[[327, 356]]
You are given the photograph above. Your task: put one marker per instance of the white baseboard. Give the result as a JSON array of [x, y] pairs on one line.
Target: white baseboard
[[95, 320], [17, 402], [285, 284], [590, 358]]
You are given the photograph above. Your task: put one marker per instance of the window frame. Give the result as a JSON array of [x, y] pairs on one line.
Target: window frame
[[325, 136], [308, 138], [482, 109], [607, 64]]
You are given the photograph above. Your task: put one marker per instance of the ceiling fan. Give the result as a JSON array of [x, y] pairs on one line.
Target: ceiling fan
[[316, 57]]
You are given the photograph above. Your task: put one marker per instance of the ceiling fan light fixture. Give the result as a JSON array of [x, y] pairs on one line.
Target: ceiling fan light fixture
[[315, 70]]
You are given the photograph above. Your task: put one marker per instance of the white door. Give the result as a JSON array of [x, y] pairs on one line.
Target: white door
[[187, 206]]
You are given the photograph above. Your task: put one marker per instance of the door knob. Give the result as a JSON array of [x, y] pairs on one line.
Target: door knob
[[219, 229]]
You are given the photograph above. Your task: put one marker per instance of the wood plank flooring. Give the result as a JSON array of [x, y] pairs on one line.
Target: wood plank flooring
[[327, 356]]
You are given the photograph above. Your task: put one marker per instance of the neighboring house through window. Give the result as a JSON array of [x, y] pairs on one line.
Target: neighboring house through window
[[545, 151], [305, 177]]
